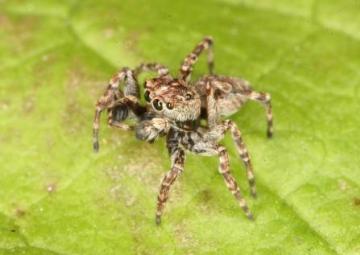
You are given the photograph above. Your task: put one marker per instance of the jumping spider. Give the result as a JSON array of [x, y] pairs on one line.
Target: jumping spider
[[175, 109]]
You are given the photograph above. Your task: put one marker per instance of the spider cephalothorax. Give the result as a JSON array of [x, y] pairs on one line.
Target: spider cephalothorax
[[175, 107], [174, 99]]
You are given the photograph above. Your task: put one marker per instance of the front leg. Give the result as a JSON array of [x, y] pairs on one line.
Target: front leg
[[111, 94], [177, 167]]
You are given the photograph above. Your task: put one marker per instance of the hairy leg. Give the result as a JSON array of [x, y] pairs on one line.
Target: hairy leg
[[226, 95], [177, 167], [211, 106], [111, 94], [265, 99], [243, 153], [230, 181], [151, 67], [219, 93], [218, 132], [191, 59], [206, 143]]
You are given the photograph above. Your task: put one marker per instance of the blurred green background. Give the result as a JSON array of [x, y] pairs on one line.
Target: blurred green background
[[58, 197]]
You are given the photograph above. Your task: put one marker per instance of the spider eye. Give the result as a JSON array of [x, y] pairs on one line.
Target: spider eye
[[157, 104], [147, 96], [188, 96], [169, 106]]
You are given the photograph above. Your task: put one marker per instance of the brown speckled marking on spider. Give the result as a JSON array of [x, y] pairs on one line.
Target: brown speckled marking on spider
[[230, 181], [177, 166], [191, 59], [265, 99], [243, 153], [200, 141], [151, 67], [228, 96], [197, 139], [175, 108]]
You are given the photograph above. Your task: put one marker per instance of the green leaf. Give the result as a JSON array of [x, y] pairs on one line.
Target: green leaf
[[57, 197]]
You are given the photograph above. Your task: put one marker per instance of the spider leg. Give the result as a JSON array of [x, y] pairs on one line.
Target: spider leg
[[103, 103], [206, 143], [226, 95], [111, 94], [243, 153], [218, 132], [218, 94], [177, 167], [191, 59], [230, 182], [265, 99], [211, 106], [151, 67]]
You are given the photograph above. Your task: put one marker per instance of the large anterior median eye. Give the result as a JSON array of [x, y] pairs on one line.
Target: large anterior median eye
[[157, 104], [147, 96]]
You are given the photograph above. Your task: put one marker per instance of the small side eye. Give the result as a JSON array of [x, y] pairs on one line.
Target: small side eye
[[169, 106], [147, 96], [188, 96]]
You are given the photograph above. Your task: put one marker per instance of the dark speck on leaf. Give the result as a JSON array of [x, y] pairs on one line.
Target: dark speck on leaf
[[205, 195], [356, 201], [20, 212], [51, 187]]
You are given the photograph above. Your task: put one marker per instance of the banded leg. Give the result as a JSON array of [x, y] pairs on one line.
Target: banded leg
[[191, 59], [230, 181], [151, 67], [243, 153], [265, 99], [211, 106], [111, 94], [177, 168]]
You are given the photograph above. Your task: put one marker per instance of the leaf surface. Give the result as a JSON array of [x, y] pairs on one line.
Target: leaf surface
[[57, 197]]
